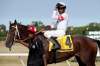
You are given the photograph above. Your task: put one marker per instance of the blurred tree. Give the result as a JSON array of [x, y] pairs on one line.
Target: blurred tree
[[2, 28], [83, 30], [38, 24], [94, 26], [2, 32]]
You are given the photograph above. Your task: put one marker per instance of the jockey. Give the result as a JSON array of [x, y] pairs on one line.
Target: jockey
[[60, 15], [62, 18]]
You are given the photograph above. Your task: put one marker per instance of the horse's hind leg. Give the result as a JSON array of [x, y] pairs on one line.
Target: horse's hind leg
[[90, 59], [80, 61], [91, 62], [86, 61]]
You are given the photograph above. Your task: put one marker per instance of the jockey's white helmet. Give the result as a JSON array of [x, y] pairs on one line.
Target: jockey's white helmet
[[62, 3]]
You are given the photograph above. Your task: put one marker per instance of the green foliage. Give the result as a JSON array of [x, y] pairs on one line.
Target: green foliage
[[2, 26], [2, 36], [94, 27], [82, 30], [2, 32], [38, 24]]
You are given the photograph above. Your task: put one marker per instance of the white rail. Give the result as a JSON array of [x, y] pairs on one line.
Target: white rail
[[19, 55], [13, 54]]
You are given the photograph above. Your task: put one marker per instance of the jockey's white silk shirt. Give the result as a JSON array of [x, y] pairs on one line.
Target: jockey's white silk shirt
[[61, 25]]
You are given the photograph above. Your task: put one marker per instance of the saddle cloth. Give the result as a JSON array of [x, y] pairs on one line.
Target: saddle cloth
[[62, 40]]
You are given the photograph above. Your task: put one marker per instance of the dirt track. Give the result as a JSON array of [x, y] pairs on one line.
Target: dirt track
[[14, 61]]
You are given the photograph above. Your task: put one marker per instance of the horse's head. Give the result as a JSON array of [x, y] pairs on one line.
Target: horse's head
[[16, 31]]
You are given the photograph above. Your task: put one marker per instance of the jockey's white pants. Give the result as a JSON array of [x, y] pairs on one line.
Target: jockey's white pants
[[60, 31], [54, 33]]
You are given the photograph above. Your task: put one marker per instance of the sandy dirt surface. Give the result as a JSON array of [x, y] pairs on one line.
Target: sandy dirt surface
[[18, 48]]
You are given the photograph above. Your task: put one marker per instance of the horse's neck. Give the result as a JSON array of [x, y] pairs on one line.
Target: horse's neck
[[23, 31], [40, 35], [43, 39], [24, 27]]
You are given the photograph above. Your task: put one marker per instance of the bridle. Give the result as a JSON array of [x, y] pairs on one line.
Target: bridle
[[16, 32]]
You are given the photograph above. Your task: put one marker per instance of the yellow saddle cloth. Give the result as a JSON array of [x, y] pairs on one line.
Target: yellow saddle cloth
[[63, 44]]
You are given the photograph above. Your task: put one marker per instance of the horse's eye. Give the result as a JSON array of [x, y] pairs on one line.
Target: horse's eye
[[12, 29]]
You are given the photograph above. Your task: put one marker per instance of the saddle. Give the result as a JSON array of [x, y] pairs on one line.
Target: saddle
[[62, 43]]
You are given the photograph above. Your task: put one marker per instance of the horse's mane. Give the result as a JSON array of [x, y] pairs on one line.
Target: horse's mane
[[40, 34], [22, 25], [23, 30]]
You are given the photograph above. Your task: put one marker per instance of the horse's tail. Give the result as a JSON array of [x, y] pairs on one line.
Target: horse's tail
[[98, 42]]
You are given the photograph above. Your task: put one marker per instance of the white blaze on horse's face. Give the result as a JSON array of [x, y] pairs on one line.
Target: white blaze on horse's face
[[16, 31]]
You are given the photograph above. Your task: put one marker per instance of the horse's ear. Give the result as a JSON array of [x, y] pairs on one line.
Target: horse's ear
[[15, 22], [10, 22]]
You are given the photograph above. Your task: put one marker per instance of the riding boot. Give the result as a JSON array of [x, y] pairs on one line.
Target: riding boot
[[68, 42], [56, 45]]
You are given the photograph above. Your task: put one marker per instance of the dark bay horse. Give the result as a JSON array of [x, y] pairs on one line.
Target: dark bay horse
[[85, 49]]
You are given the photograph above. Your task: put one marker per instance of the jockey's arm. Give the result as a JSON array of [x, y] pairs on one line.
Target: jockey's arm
[[55, 15], [61, 17]]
